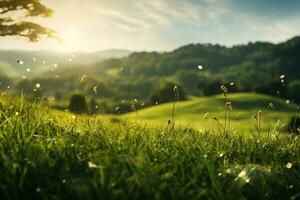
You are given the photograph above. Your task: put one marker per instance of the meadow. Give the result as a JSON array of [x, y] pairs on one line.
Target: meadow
[[48, 154], [148, 121], [200, 113]]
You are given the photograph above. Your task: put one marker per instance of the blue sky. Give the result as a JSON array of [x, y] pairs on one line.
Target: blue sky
[[161, 25]]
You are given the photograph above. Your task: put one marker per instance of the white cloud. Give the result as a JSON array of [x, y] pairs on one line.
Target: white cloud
[[155, 25]]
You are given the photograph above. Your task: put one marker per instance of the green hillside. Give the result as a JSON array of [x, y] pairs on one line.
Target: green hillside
[[45, 154], [191, 113], [198, 69]]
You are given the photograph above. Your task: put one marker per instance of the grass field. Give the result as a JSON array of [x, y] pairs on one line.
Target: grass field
[[46, 154], [199, 113]]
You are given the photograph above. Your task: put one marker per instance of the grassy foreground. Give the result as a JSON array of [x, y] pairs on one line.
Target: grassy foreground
[[46, 154]]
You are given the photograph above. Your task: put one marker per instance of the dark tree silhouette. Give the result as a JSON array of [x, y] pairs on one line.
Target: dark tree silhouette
[[78, 104], [165, 93], [9, 26], [294, 90]]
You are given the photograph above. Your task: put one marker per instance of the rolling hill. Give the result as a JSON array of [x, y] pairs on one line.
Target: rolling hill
[[192, 113]]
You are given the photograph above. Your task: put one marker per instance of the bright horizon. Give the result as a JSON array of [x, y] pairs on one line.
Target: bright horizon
[[161, 25]]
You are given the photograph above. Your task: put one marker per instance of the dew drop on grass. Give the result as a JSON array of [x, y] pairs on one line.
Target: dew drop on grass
[[287, 101], [289, 165], [37, 85], [17, 113]]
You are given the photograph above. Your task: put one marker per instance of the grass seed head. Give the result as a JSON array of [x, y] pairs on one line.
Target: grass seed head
[[95, 90], [229, 105], [83, 78], [206, 115], [259, 113], [224, 89], [133, 108]]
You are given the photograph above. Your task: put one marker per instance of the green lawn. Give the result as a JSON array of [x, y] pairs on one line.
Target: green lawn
[[191, 113], [46, 154]]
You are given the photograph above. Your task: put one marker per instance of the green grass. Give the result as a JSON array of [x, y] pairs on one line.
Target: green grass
[[45, 154], [191, 113]]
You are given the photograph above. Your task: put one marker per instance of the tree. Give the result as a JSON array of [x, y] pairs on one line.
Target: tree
[[78, 104], [165, 93], [210, 87], [10, 26], [190, 80]]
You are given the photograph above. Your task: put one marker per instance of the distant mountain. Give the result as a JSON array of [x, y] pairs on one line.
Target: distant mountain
[[16, 63]]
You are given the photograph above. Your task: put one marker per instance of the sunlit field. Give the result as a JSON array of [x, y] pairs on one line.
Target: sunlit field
[[206, 114], [49, 154], [142, 100]]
